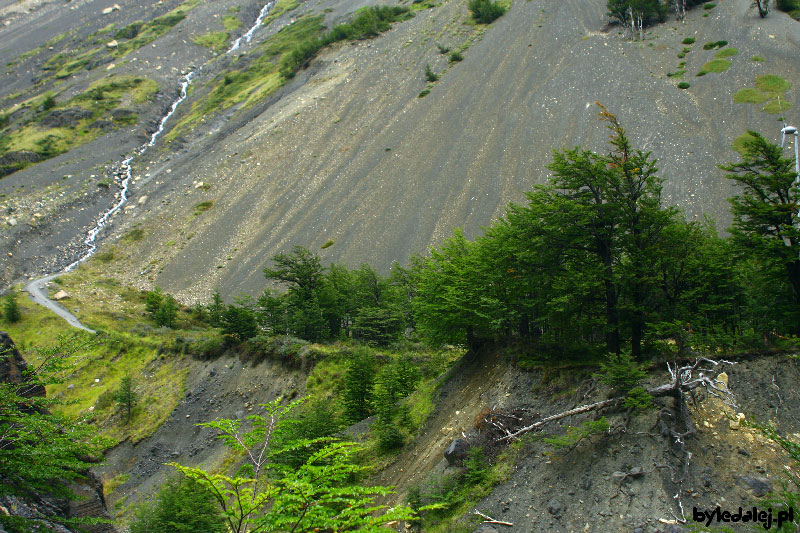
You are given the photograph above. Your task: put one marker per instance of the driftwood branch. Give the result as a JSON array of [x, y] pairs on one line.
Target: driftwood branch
[[683, 379], [489, 520]]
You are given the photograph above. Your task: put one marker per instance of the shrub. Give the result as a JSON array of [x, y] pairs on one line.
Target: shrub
[[455, 57], [11, 311], [182, 505], [485, 11], [430, 75], [621, 372], [688, 40], [683, 85], [49, 102], [423, 93], [639, 399], [477, 467]]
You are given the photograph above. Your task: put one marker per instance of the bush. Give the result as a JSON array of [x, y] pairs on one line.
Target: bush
[[455, 57], [49, 102], [182, 505], [430, 75], [485, 11], [688, 40], [621, 372], [11, 311], [683, 85]]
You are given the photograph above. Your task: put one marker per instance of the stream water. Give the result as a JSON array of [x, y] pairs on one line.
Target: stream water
[[36, 288]]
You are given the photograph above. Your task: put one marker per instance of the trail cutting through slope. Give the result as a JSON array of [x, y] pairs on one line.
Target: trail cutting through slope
[[36, 288]]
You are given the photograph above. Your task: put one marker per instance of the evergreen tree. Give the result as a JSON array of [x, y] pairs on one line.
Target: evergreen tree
[[167, 312], [238, 323], [182, 505], [765, 213], [11, 311], [126, 396], [359, 385]]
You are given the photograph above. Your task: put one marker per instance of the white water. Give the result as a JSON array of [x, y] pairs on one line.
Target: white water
[[126, 165], [91, 237]]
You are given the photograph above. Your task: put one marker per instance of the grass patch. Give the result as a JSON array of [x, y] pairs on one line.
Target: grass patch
[[677, 74], [715, 65], [688, 40], [770, 83], [215, 40], [281, 7], [777, 106], [112, 484], [757, 59], [202, 207], [749, 96], [231, 22], [281, 56], [710, 45], [727, 52], [133, 235], [683, 85], [709, 6]]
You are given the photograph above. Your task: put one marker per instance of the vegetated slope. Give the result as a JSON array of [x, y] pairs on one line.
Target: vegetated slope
[[353, 154], [581, 488]]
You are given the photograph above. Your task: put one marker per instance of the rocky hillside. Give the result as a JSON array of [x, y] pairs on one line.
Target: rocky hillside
[[349, 150]]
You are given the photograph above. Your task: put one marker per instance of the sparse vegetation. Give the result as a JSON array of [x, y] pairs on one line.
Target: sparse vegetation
[[688, 40], [215, 40], [430, 75], [727, 52], [715, 65], [485, 11]]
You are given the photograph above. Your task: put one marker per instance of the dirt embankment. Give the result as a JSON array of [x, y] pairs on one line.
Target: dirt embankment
[[586, 489]]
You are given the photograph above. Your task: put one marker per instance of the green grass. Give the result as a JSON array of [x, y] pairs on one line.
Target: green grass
[[683, 85], [281, 7], [757, 59], [774, 107], [202, 207], [749, 96], [771, 83], [688, 40], [278, 58], [231, 22], [715, 65], [726, 52], [677, 74], [215, 40], [124, 346]]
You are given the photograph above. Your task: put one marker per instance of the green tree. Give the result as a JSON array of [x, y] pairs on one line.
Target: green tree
[[303, 272], [765, 213], [617, 206], [126, 396], [317, 496], [182, 505], [11, 311], [215, 310], [167, 312], [359, 385], [41, 451], [238, 323]]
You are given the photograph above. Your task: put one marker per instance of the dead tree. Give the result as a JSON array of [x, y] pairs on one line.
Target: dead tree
[[684, 380], [680, 8]]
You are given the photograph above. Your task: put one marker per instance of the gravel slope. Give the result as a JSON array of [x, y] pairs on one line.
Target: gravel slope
[[355, 156]]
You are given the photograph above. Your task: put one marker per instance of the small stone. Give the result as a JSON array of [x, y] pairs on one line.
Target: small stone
[[742, 451], [456, 452], [555, 507], [759, 485], [112, 44], [723, 379], [143, 200], [586, 484], [60, 295]]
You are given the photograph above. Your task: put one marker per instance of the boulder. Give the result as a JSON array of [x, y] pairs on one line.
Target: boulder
[[65, 118], [456, 452], [758, 485], [60, 295]]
